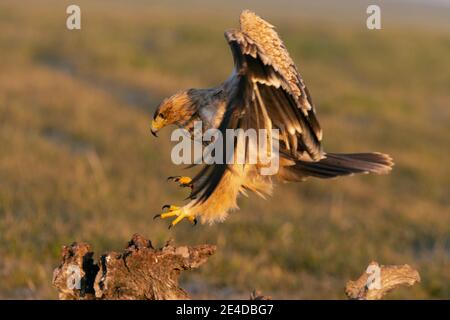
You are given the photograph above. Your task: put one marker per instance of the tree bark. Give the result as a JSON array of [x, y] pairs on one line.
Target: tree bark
[[142, 272], [139, 272], [378, 280]]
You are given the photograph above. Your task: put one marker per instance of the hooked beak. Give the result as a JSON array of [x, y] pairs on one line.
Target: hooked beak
[[156, 125], [154, 128]]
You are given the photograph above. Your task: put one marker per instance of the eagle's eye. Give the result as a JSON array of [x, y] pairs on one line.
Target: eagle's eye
[[162, 116]]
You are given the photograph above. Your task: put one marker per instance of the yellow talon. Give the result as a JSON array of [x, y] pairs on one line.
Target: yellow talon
[[185, 180], [179, 213], [192, 219], [168, 214], [178, 219], [182, 181]]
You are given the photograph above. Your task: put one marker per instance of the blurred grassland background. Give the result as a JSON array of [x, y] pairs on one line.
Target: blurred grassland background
[[78, 163]]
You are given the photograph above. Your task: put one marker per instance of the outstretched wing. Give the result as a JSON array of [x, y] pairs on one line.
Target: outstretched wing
[[268, 92]]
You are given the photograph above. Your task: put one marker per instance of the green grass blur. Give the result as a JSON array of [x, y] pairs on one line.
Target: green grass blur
[[78, 163]]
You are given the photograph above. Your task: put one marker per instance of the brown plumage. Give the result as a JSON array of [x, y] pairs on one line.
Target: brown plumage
[[265, 90]]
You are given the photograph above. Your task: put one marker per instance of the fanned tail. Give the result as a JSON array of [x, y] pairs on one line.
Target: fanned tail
[[343, 164]]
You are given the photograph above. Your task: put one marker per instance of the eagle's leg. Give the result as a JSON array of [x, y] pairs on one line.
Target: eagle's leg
[[182, 181], [179, 213]]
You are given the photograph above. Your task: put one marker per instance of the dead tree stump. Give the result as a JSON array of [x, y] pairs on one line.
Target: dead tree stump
[[142, 272], [139, 272], [378, 280]]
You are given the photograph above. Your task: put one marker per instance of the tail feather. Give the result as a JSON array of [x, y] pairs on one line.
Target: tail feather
[[343, 164]]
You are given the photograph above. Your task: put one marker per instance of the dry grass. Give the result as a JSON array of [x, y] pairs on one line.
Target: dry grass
[[77, 161]]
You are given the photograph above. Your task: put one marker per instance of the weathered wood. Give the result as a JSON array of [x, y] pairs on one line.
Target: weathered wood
[[139, 272], [378, 280], [74, 278], [142, 272]]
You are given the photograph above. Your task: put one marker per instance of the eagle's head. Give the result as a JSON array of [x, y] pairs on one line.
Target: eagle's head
[[173, 110]]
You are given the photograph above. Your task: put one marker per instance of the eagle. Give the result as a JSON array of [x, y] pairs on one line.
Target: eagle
[[265, 91]]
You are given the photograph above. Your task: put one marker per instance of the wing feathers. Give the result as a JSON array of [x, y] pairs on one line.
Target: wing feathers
[[267, 92]]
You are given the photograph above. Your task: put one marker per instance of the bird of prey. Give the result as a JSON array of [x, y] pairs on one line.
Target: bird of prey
[[265, 90]]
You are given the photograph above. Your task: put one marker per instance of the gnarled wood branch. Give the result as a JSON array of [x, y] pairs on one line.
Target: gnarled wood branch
[[142, 272], [139, 272], [378, 280]]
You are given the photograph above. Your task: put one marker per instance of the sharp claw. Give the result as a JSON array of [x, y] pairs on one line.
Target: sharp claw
[[174, 178], [176, 212]]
